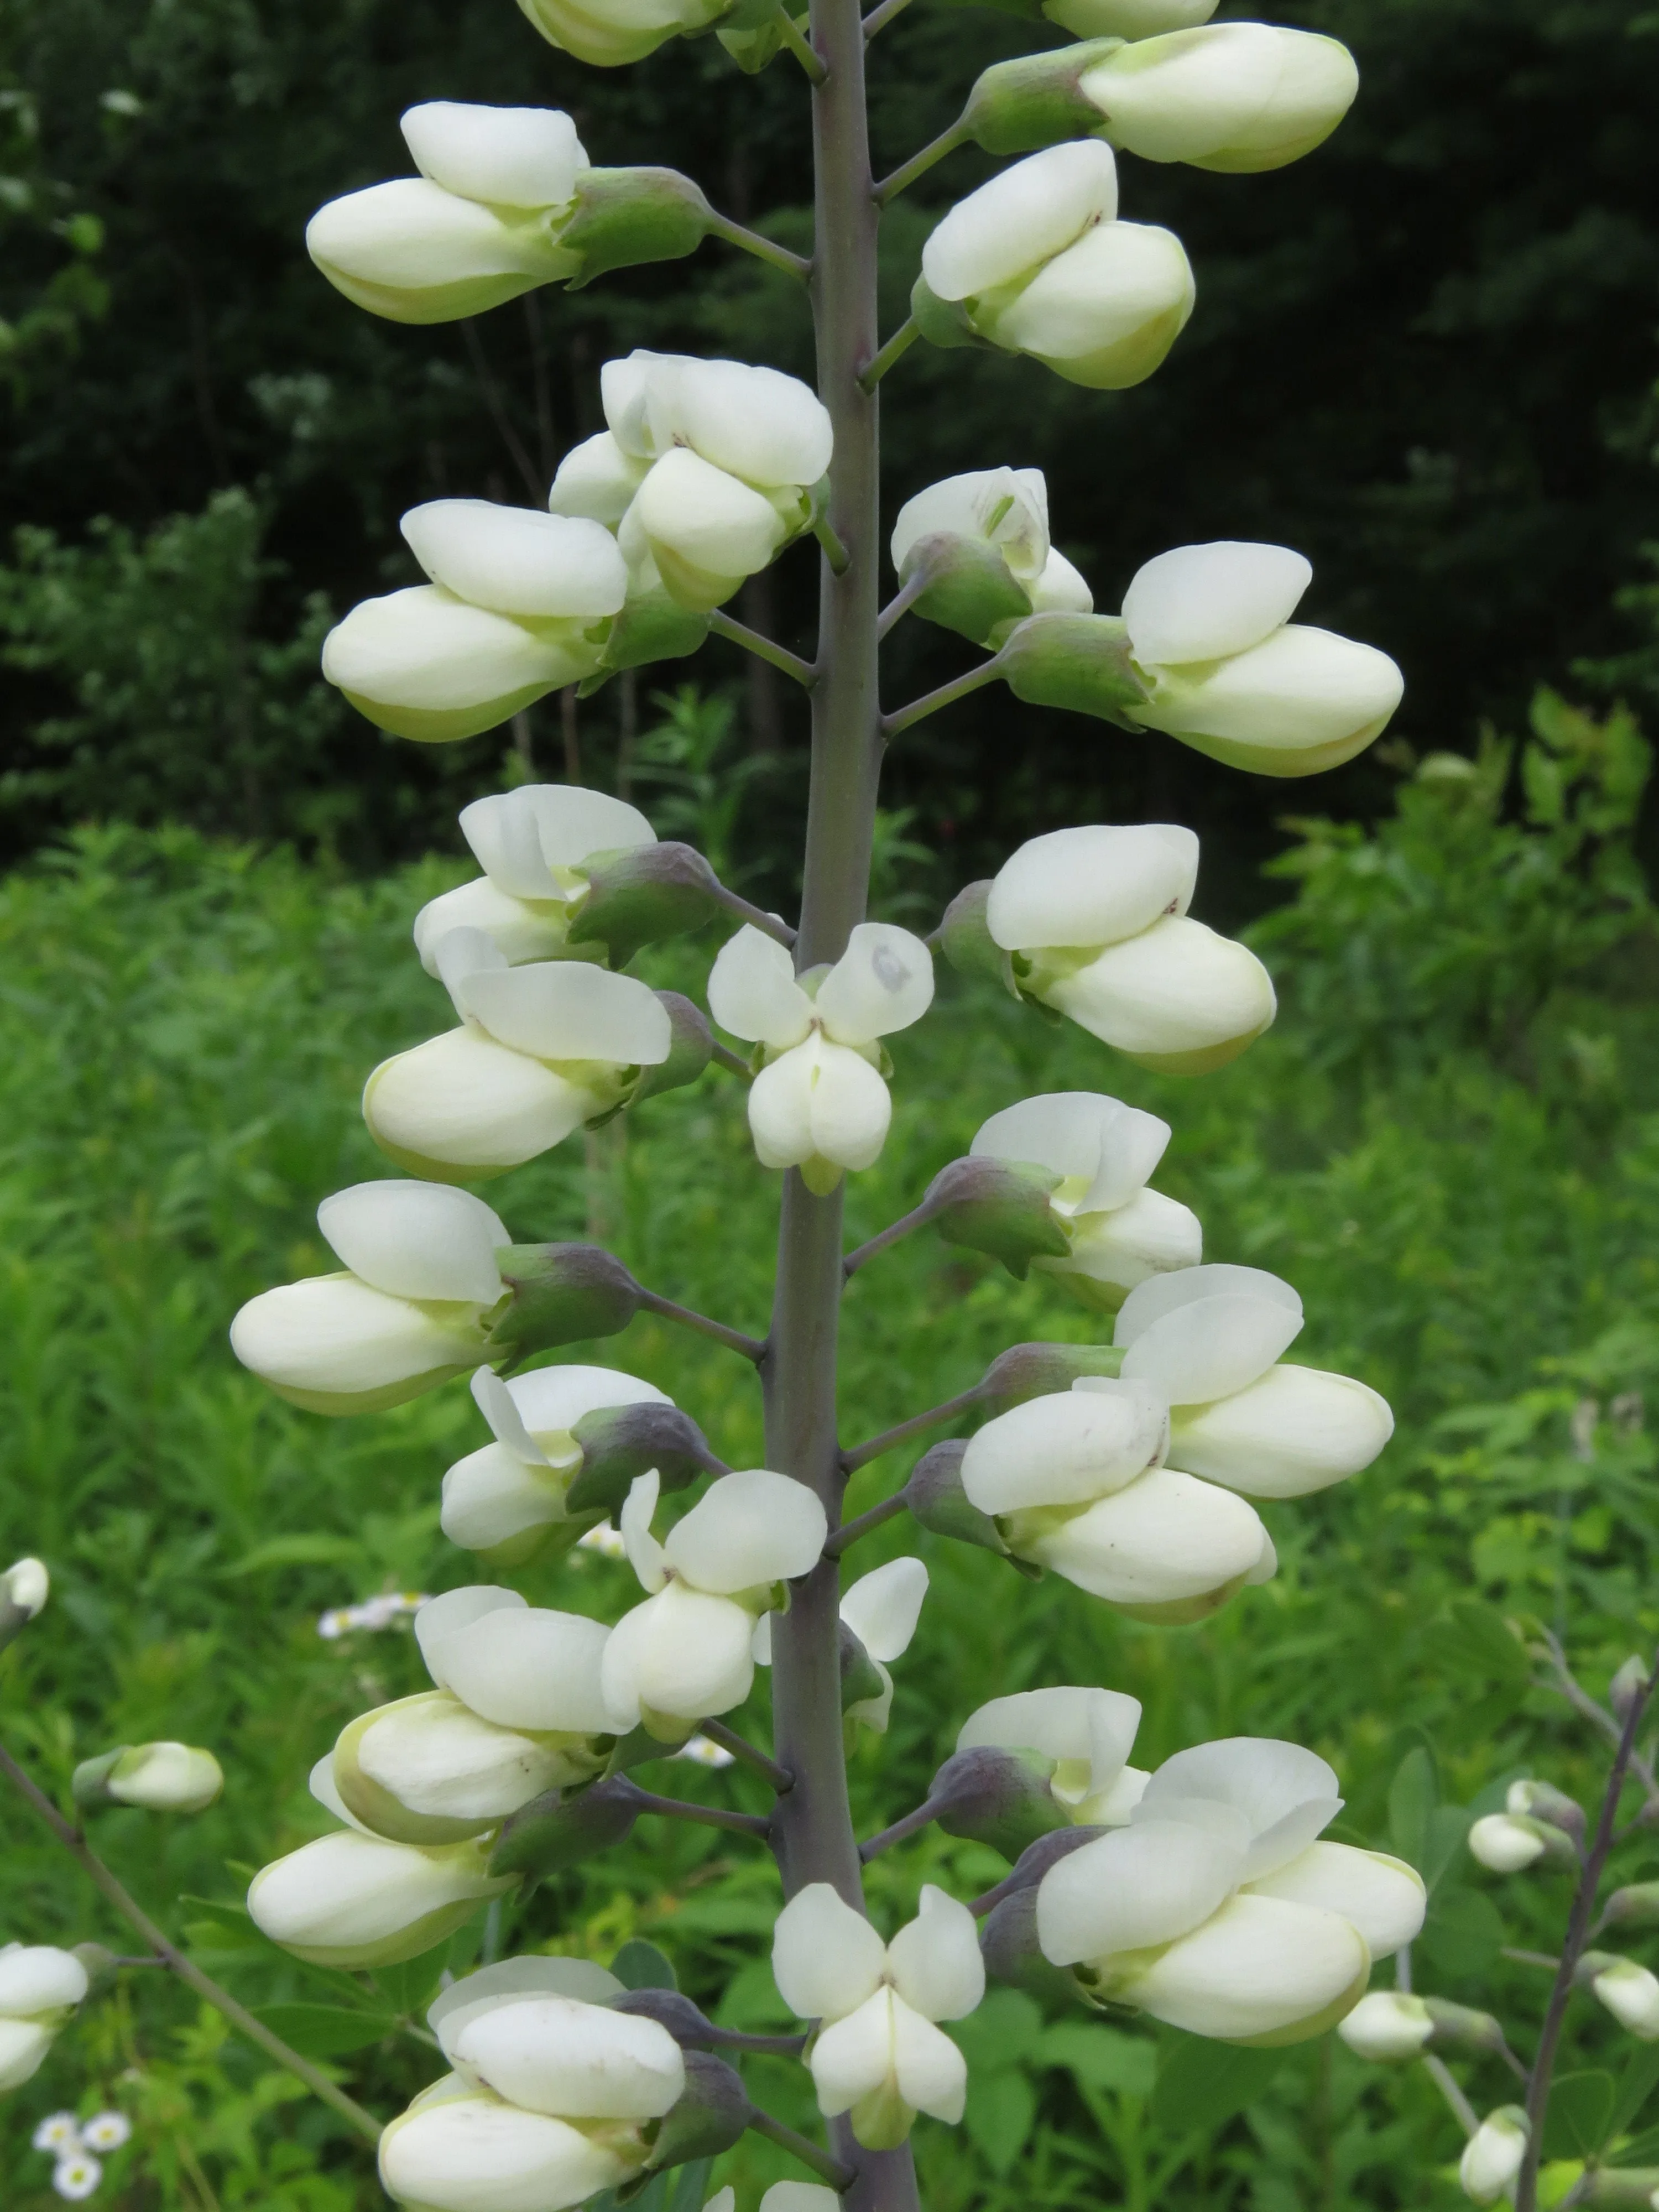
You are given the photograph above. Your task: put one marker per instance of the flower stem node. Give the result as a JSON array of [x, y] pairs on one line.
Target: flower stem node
[[877, 2056], [162, 1777], [1505, 1842], [560, 1294], [1494, 2154], [39, 1987], [24, 1588], [564, 1827], [997, 1206]]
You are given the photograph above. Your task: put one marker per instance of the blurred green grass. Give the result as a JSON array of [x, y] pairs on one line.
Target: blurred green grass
[[1467, 1210]]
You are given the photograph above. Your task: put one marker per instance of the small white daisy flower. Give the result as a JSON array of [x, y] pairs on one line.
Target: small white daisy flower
[[59, 2132], [77, 2176], [106, 2132]]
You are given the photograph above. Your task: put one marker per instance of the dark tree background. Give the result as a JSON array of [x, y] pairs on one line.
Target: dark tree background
[[1425, 356]]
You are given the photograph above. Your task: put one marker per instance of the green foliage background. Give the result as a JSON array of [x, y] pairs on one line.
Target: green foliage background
[[1447, 1142]]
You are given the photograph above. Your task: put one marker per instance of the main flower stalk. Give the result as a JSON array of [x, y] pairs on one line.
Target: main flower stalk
[[815, 1842]]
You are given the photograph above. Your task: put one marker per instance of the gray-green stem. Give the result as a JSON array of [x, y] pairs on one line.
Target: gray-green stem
[[919, 164], [763, 648], [763, 249], [882, 358], [169, 1955], [946, 695], [812, 1825]]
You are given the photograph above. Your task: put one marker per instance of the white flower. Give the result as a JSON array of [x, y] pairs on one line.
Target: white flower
[[1493, 2154], [479, 225], [39, 1987], [519, 606], [24, 1586], [687, 1653], [1035, 262], [1003, 512], [1120, 1233], [705, 472], [1631, 1994], [819, 1103], [878, 2055], [106, 2132], [882, 1609], [457, 2150], [59, 2131], [1507, 1845], [542, 1050], [531, 844], [505, 1498], [166, 1778], [1075, 1481], [1095, 920], [517, 1711], [606, 33], [572, 2060], [1218, 1911], [77, 2176], [1209, 1339], [351, 1899], [1231, 674], [1087, 1734], [409, 1311], [1230, 96], [1387, 2024]]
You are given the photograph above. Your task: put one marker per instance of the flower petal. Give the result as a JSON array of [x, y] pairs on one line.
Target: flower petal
[[882, 1608], [517, 560], [417, 1240], [564, 1010], [752, 991], [517, 157], [1024, 215], [748, 1529], [1204, 602], [1384, 1897], [827, 1960], [1287, 1793], [1063, 1448], [1137, 1887], [935, 1963], [1091, 885], [883, 982]]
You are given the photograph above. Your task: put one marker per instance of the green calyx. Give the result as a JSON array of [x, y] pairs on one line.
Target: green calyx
[[562, 1827], [998, 1207], [649, 628], [625, 216], [1020, 106], [620, 1443], [1077, 661], [559, 1294], [1038, 1370], [969, 588], [641, 895]]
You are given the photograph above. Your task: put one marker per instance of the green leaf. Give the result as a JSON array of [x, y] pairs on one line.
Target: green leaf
[[641, 1966], [318, 2031], [1001, 2115], [1102, 2058], [408, 1989], [1201, 2085], [1414, 1795], [1448, 1826], [1463, 1933], [1470, 1643], [1636, 2086], [311, 1549], [1581, 2106], [1003, 2030]]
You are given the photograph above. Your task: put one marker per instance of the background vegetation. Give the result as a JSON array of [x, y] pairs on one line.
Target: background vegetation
[[1447, 1142]]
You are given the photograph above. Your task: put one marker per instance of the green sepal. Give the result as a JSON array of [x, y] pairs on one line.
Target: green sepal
[[937, 1499], [559, 1294], [860, 1680], [626, 216], [620, 1443], [641, 895], [641, 1966], [965, 939], [1014, 1957], [970, 587], [1039, 1370], [945, 322], [1078, 661], [562, 1827], [640, 1746], [88, 1784], [649, 628], [1018, 106], [752, 48], [711, 2113], [993, 1794], [998, 1207]]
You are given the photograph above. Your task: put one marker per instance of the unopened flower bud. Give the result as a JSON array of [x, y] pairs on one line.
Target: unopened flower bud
[[353, 1900], [561, 1294], [565, 1826], [1037, 1370], [39, 1987], [24, 1588], [1127, 19], [161, 1777], [862, 1682], [1508, 1843], [1635, 1905], [998, 1207], [1386, 2026], [1002, 1798], [1539, 1801], [1630, 1992], [643, 895], [1628, 1686], [1235, 97], [1494, 2153], [619, 1443], [1459, 2027]]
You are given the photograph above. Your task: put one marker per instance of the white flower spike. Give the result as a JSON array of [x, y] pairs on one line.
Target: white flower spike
[[542, 1050], [410, 1310], [819, 1103], [1208, 1338], [1095, 923], [1231, 675], [1120, 1233], [1037, 263], [687, 1653], [876, 2055]]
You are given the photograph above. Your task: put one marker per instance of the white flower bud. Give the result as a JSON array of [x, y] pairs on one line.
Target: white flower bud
[[166, 1778], [428, 1770], [429, 666], [1260, 1968], [757, 423], [354, 1900], [572, 2060], [457, 2151], [1507, 1845], [1293, 1431], [1177, 998], [408, 1314], [1493, 2154], [514, 1487], [1230, 96], [1205, 1332], [1167, 1548], [24, 1586], [516, 561], [607, 33], [1631, 1994], [1066, 1449], [1203, 603], [40, 1987], [1384, 1897], [1026, 215], [1388, 2026], [597, 480], [416, 253], [1091, 886]]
